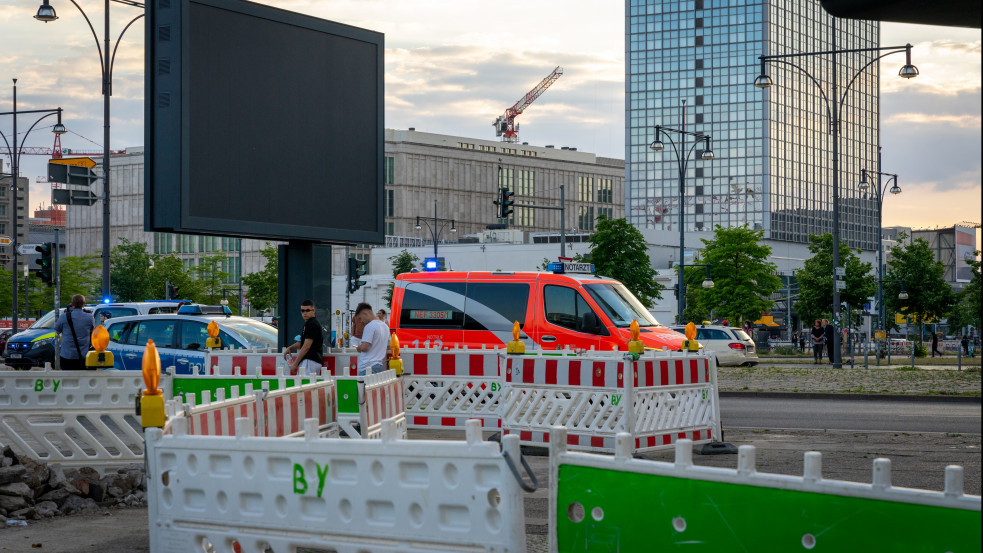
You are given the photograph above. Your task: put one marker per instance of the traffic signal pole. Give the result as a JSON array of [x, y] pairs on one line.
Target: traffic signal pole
[[57, 273]]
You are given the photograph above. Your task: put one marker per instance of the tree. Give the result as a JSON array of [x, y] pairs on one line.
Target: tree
[[743, 278], [966, 310], [211, 276], [129, 270], [403, 262], [618, 251], [816, 280], [169, 270], [929, 296], [263, 285]]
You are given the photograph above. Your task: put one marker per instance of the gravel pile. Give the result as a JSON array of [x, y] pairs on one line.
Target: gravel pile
[[30, 490]]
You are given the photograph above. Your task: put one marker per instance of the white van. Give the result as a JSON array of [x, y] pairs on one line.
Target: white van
[[105, 311]]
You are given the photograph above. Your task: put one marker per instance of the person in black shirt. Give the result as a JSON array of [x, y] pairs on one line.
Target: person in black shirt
[[818, 339], [310, 345], [830, 331]]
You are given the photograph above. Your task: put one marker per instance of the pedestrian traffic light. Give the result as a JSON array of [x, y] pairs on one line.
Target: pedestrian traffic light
[[506, 199], [355, 270], [45, 272]]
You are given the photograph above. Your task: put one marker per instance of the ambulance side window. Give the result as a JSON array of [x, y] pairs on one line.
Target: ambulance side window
[[495, 306], [565, 307], [433, 305]]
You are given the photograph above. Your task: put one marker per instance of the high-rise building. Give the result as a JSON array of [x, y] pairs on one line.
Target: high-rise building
[[773, 148]]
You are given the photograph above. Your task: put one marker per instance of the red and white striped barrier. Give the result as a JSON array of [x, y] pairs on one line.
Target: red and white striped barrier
[[238, 363], [446, 388], [271, 414], [340, 362], [380, 398]]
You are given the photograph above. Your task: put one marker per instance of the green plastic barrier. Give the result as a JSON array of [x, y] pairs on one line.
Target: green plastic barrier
[[196, 385], [603, 510]]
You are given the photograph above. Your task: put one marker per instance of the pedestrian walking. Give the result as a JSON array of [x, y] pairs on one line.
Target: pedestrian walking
[[75, 343], [830, 338], [802, 341], [310, 345], [935, 344], [374, 343], [965, 344], [818, 339]]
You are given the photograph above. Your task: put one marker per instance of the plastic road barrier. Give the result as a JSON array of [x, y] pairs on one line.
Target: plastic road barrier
[[605, 503], [380, 397], [179, 385], [271, 414], [247, 493], [658, 399], [72, 417], [445, 388]]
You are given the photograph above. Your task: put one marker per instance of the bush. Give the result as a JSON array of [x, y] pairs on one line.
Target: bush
[[785, 350], [920, 350]]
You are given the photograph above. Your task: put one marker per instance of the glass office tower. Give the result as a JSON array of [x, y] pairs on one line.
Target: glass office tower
[[773, 148]]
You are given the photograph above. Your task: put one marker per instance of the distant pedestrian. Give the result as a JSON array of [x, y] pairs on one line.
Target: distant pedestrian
[[935, 344], [374, 343], [310, 345], [358, 327], [830, 337], [818, 339], [381, 315], [802, 341], [75, 326], [965, 344]]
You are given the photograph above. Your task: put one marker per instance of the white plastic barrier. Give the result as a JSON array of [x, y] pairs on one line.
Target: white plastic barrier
[[340, 361], [380, 397], [670, 397], [72, 417], [244, 362], [445, 388], [272, 414], [247, 493], [619, 503]]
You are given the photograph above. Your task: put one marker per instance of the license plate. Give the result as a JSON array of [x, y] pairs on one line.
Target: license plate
[[15, 356]]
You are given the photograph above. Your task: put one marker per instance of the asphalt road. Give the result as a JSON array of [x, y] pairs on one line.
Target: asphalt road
[[867, 415]]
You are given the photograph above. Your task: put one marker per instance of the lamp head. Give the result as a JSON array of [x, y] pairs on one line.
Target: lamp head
[[903, 295], [707, 283], [453, 228], [707, 152], [657, 145], [895, 189], [863, 185], [908, 71], [59, 129], [417, 226], [46, 13], [763, 81]]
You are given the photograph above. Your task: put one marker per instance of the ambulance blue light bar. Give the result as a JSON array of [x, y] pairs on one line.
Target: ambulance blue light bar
[[431, 264], [561, 267]]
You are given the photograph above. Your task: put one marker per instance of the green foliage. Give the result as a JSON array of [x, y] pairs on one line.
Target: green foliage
[[786, 350], [967, 307], [129, 270], [743, 278], [920, 350], [211, 275], [929, 296], [79, 275], [403, 262], [618, 251], [816, 280], [264, 285]]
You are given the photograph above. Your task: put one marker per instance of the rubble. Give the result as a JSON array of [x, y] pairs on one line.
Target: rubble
[[32, 490]]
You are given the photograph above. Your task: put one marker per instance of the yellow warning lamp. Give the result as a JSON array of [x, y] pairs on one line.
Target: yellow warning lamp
[[151, 399], [99, 358], [213, 341], [690, 343], [515, 347], [635, 345], [395, 363]]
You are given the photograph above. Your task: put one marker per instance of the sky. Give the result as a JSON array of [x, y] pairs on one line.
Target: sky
[[452, 67]]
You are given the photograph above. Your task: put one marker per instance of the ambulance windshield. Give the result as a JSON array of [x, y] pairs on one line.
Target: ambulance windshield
[[620, 305]]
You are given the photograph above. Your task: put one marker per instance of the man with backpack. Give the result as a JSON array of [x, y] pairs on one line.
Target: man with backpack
[[75, 326]]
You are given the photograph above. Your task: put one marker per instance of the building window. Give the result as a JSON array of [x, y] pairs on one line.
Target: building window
[[389, 199], [605, 191], [484, 148], [465, 145], [527, 183], [529, 153], [3, 209], [585, 189], [389, 171], [505, 178], [391, 229], [585, 218], [524, 217], [508, 151]]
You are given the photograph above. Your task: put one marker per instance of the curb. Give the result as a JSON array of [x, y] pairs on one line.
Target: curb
[[824, 395]]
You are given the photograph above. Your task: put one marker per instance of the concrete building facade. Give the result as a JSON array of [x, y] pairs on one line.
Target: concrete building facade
[[10, 222]]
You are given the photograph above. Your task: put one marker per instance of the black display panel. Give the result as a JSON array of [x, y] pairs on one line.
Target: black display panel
[[262, 123]]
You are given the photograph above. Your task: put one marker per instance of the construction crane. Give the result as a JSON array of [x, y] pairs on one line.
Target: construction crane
[[56, 151], [505, 125]]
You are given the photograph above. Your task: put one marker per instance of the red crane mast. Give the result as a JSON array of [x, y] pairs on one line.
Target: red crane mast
[[505, 125]]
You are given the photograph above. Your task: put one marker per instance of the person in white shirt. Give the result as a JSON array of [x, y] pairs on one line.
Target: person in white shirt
[[375, 341]]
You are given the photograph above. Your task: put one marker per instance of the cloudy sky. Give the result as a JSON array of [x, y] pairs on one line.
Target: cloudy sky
[[453, 66]]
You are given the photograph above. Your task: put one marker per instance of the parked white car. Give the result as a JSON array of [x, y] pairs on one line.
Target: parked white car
[[731, 346]]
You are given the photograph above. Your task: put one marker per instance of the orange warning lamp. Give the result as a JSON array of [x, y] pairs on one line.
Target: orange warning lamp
[[395, 363], [635, 345], [99, 358], [213, 341], [690, 344], [515, 347], [152, 399]]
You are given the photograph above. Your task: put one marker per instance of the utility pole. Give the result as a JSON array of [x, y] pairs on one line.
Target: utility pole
[[57, 274]]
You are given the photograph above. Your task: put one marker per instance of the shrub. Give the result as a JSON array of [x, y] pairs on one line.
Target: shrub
[[921, 350], [785, 350]]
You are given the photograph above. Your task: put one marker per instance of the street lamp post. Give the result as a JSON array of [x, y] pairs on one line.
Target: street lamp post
[[707, 279], [834, 105], [435, 230], [902, 295], [15, 153], [880, 190], [682, 160], [47, 13]]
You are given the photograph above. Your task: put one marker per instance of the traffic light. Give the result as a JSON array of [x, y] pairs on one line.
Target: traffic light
[[355, 270], [172, 292], [506, 199], [45, 272]]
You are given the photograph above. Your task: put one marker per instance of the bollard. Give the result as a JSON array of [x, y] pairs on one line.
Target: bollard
[[959, 357]]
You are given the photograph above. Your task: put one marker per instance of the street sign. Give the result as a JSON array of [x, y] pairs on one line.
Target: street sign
[[27, 249], [880, 335], [64, 196], [840, 271], [840, 285], [70, 174], [5, 241], [76, 161]]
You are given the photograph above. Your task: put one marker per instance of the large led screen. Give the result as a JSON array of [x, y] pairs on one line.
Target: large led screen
[[263, 123]]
